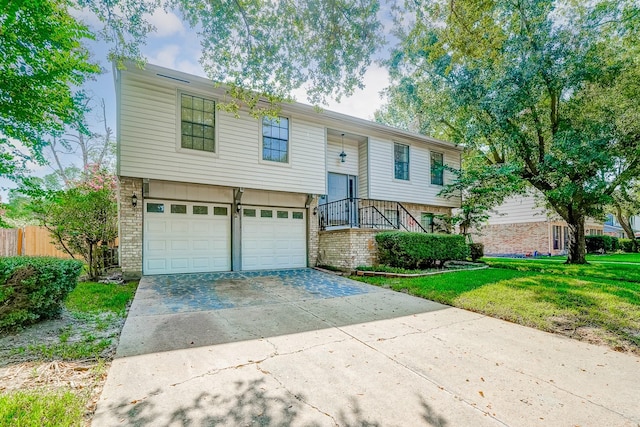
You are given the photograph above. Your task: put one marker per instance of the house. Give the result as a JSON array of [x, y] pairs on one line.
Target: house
[[613, 228], [522, 226], [202, 189]]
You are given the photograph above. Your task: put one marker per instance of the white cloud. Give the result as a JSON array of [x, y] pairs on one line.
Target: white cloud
[[166, 23], [175, 57]]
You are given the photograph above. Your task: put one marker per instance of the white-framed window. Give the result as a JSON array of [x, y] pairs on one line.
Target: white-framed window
[[197, 123], [275, 139], [401, 161], [557, 233], [437, 172], [426, 221]]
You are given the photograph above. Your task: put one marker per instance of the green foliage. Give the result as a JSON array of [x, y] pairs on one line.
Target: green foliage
[[83, 219], [39, 408], [33, 288], [418, 250], [628, 245], [41, 59], [599, 244], [476, 250], [533, 90], [91, 297]]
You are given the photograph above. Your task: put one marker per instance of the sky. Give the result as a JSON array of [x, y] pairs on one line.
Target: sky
[[174, 45]]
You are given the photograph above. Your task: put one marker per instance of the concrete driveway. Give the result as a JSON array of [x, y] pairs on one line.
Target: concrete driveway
[[304, 348]]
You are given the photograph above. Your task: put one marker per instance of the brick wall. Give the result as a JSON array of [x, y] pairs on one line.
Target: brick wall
[[130, 232], [347, 248], [313, 237], [522, 238]]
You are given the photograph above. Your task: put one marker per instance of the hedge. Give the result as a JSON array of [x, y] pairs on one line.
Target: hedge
[[476, 250], [419, 250], [601, 244], [33, 288], [628, 245]]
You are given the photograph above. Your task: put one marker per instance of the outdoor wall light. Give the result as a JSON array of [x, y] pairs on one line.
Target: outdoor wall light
[[342, 154], [134, 200], [315, 211]]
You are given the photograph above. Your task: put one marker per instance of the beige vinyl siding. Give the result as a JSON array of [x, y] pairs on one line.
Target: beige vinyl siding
[[148, 144], [418, 189], [350, 165], [363, 172], [518, 209]]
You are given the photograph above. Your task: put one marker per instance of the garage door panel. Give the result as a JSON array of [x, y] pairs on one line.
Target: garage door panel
[[186, 242], [278, 241]]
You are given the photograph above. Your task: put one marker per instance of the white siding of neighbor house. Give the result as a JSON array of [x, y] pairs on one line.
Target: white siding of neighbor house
[[148, 144], [350, 165], [518, 209], [363, 173], [418, 189]]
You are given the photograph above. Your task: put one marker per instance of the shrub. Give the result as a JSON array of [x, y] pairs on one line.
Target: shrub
[[477, 251], [598, 244], [33, 288], [628, 245], [419, 250], [615, 244]]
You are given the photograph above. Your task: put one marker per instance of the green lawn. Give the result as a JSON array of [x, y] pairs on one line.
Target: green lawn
[[561, 299], [97, 306], [612, 271]]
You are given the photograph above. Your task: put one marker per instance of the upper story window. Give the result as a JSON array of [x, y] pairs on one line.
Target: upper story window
[[197, 123], [437, 171], [401, 161], [275, 139]]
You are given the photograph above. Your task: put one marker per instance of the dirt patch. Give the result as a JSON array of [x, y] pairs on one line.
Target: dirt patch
[[33, 357], [591, 334]]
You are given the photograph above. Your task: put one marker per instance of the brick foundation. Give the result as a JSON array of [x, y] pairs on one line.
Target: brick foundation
[[347, 248], [130, 233], [312, 233], [520, 238]]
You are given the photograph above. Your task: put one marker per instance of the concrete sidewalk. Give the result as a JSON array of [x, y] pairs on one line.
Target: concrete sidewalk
[[374, 358]]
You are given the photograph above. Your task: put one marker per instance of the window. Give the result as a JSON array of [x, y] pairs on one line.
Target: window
[[426, 221], [197, 118], [401, 161], [283, 214], [557, 231], [201, 210], [565, 233], [266, 214], [437, 172], [219, 210], [155, 207], [275, 139], [392, 217], [179, 209], [298, 215], [249, 213]]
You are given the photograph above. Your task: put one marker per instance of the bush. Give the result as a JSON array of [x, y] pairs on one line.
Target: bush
[[615, 244], [33, 288], [419, 250], [628, 245], [477, 251], [598, 244]]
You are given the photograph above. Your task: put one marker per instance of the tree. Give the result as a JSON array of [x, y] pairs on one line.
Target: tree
[[41, 60], [261, 48], [83, 219], [626, 205], [549, 89]]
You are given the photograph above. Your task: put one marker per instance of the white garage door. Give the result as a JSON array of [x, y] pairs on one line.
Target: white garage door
[[186, 237], [273, 238]]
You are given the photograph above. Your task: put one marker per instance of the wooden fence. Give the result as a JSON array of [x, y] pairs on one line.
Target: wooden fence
[[31, 240]]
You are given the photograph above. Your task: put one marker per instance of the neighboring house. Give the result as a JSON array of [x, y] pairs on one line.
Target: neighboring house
[[521, 226], [202, 190], [613, 228]]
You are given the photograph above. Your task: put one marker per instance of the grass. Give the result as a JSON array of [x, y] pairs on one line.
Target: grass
[[624, 272], [41, 408], [95, 305], [91, 297], [560, 299]]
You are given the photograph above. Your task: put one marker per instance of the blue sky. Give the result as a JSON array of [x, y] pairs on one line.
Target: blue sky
[[174, 45]]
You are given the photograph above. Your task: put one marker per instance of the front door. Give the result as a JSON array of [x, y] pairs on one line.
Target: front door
[[342, 205]]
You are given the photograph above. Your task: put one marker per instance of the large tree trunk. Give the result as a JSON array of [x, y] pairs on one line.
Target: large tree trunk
[[625, 223], [577, 242]]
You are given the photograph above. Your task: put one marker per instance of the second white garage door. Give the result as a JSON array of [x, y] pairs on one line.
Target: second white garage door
[[273, 238]]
